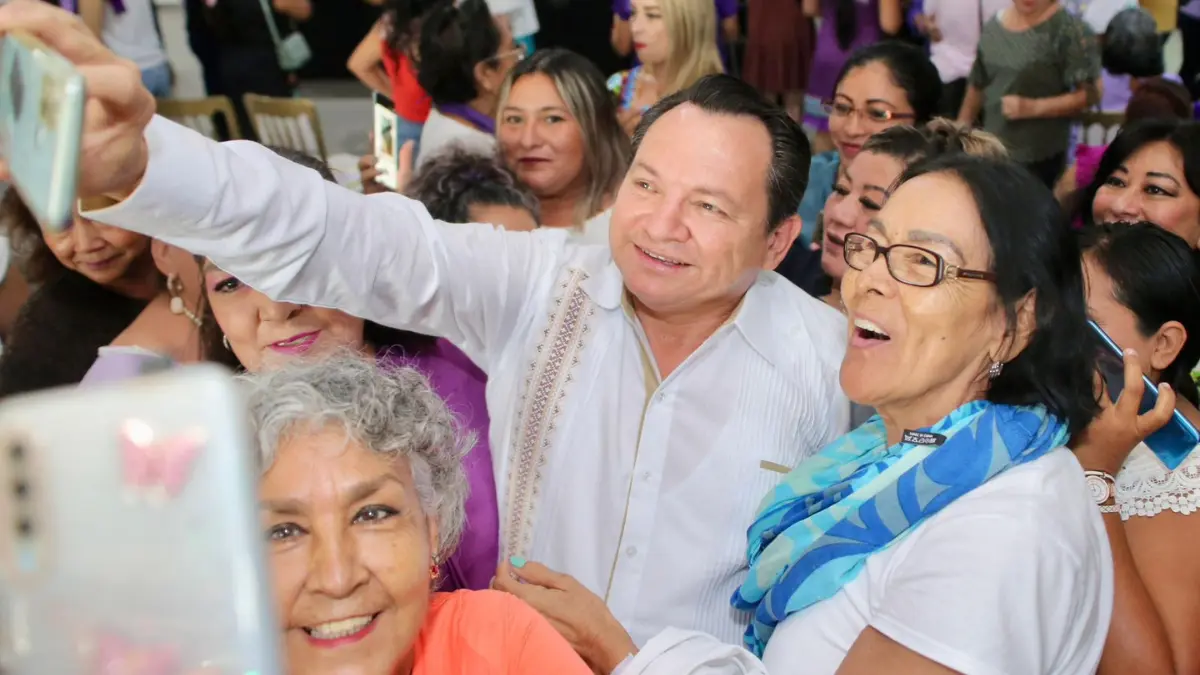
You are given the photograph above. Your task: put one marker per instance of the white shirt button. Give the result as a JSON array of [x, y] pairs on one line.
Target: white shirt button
[[647, 476], [631, 551]]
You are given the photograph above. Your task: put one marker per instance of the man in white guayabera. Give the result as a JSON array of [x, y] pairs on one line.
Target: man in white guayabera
[[643, 396]]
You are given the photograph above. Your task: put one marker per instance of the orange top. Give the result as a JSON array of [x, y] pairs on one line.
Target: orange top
[[412, 103], [490, 633]]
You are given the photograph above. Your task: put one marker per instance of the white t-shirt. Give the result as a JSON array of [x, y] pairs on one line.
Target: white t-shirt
[[132, 35], [441, 132], [1014, 578]]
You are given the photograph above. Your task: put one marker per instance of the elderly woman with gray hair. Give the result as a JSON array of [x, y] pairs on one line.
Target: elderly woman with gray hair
[[361, 498]]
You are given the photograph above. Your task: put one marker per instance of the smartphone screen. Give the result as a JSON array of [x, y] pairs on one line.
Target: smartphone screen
[[1172, 443], [387, 148]]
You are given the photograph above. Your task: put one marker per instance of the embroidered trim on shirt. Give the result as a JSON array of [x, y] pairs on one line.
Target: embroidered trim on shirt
[[549, 374]]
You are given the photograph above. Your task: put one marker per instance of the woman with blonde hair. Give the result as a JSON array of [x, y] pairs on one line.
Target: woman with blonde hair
[[558, 132], [676, 42]]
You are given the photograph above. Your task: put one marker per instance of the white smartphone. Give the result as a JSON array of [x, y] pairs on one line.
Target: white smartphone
[[130, 542], [387, 149], [41, 125]]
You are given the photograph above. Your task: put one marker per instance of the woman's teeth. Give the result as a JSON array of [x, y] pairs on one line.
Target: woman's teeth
[[661, 259], [335, 630], [871, 330]]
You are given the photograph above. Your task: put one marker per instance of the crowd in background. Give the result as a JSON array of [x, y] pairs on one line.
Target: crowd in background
[[772, 355]]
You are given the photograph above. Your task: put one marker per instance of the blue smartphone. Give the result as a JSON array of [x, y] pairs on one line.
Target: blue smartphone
[[1172, 443], [41, 126]]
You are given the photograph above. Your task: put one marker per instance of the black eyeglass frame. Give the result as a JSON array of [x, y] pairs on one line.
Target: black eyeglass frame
[[944, 271]]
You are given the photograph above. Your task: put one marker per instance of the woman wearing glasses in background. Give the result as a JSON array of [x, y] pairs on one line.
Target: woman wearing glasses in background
[[465, 57], [881, 86]]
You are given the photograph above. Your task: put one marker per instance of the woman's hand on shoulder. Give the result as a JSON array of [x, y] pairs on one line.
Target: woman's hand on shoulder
[[1120, 427]]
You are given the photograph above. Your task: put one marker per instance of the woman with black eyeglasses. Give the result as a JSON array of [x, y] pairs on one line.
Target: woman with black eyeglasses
[[954, 531], [881, 86], [464, 55]]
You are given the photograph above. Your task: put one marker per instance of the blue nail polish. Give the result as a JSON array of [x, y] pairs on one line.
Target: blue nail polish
[[517, 561]]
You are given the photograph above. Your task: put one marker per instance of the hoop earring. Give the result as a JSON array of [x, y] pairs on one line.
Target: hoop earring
[[175, 290], [994, 370], [225, 341]]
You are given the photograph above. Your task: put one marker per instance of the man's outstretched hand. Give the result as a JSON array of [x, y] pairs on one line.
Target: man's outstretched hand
[[113, 152]]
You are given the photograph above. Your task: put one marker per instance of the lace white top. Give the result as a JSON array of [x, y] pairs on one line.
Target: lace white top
[[1145, 487]]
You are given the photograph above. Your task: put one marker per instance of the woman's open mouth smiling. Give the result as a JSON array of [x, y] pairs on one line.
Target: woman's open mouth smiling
[[341, 632], [868, 334]]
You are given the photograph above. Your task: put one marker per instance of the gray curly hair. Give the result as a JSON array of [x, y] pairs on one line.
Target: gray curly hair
[[391, 411]]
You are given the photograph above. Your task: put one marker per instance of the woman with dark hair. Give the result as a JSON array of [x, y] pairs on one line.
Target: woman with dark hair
[[464, 57], [953, 531], [558, 131], [847, 26], [248, 331], [385, 61], [1143, 289], [880, 86], [91, 282], [462, 187], [1150, 172]]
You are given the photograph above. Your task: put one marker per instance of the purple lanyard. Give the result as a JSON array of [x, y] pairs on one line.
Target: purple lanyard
[[72, 6], [476, 119]]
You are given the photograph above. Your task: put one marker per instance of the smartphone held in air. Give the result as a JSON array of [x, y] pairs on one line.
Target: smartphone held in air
[[130, 531], [41, 125], [1174, 441], [387, 147]]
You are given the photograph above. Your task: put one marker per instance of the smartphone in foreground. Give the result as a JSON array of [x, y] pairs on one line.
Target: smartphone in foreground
[[130, 531], [387, 147], [1172, 443], [41, 124]]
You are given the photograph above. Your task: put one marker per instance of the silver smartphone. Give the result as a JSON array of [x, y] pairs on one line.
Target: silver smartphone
[[387, 148], [41, 125], [129, 531]]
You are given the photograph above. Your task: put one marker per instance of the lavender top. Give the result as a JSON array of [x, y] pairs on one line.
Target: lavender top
[[460, 383], [828, 56]]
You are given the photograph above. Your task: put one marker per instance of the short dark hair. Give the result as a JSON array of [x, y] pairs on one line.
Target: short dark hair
[[1031, 252], [940, 136], [1184, 135], [911, 70], [1132, 45], [787, 177], [1156, 275], [454, 39], [454, 180], [304, 159]]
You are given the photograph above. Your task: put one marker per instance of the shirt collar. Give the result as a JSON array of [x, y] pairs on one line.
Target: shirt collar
[[767, 326]]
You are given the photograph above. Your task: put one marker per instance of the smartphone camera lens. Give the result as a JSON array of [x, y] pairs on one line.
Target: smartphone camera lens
[[24, 527], [20, 490], [17, 453]]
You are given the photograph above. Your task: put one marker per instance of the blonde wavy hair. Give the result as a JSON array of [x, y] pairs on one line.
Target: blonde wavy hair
[[692, 29]]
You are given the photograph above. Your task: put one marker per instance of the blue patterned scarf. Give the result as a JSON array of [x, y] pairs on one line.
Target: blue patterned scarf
[[858, 496]]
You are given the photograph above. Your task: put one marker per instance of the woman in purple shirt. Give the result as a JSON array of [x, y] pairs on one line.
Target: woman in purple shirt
[[846, 25]]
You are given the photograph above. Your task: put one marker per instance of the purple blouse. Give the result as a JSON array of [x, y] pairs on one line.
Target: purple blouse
[[461, 385], [828, 56]]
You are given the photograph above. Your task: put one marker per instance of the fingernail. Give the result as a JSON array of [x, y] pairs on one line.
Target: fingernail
[[1164, 386], [517, 561]]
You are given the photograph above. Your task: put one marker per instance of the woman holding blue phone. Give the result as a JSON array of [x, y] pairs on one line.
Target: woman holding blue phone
[[1142, 288]]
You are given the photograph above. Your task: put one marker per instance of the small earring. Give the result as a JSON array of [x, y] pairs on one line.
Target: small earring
[[225, 341], [994, 370], [175, 290], [434, 571]]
